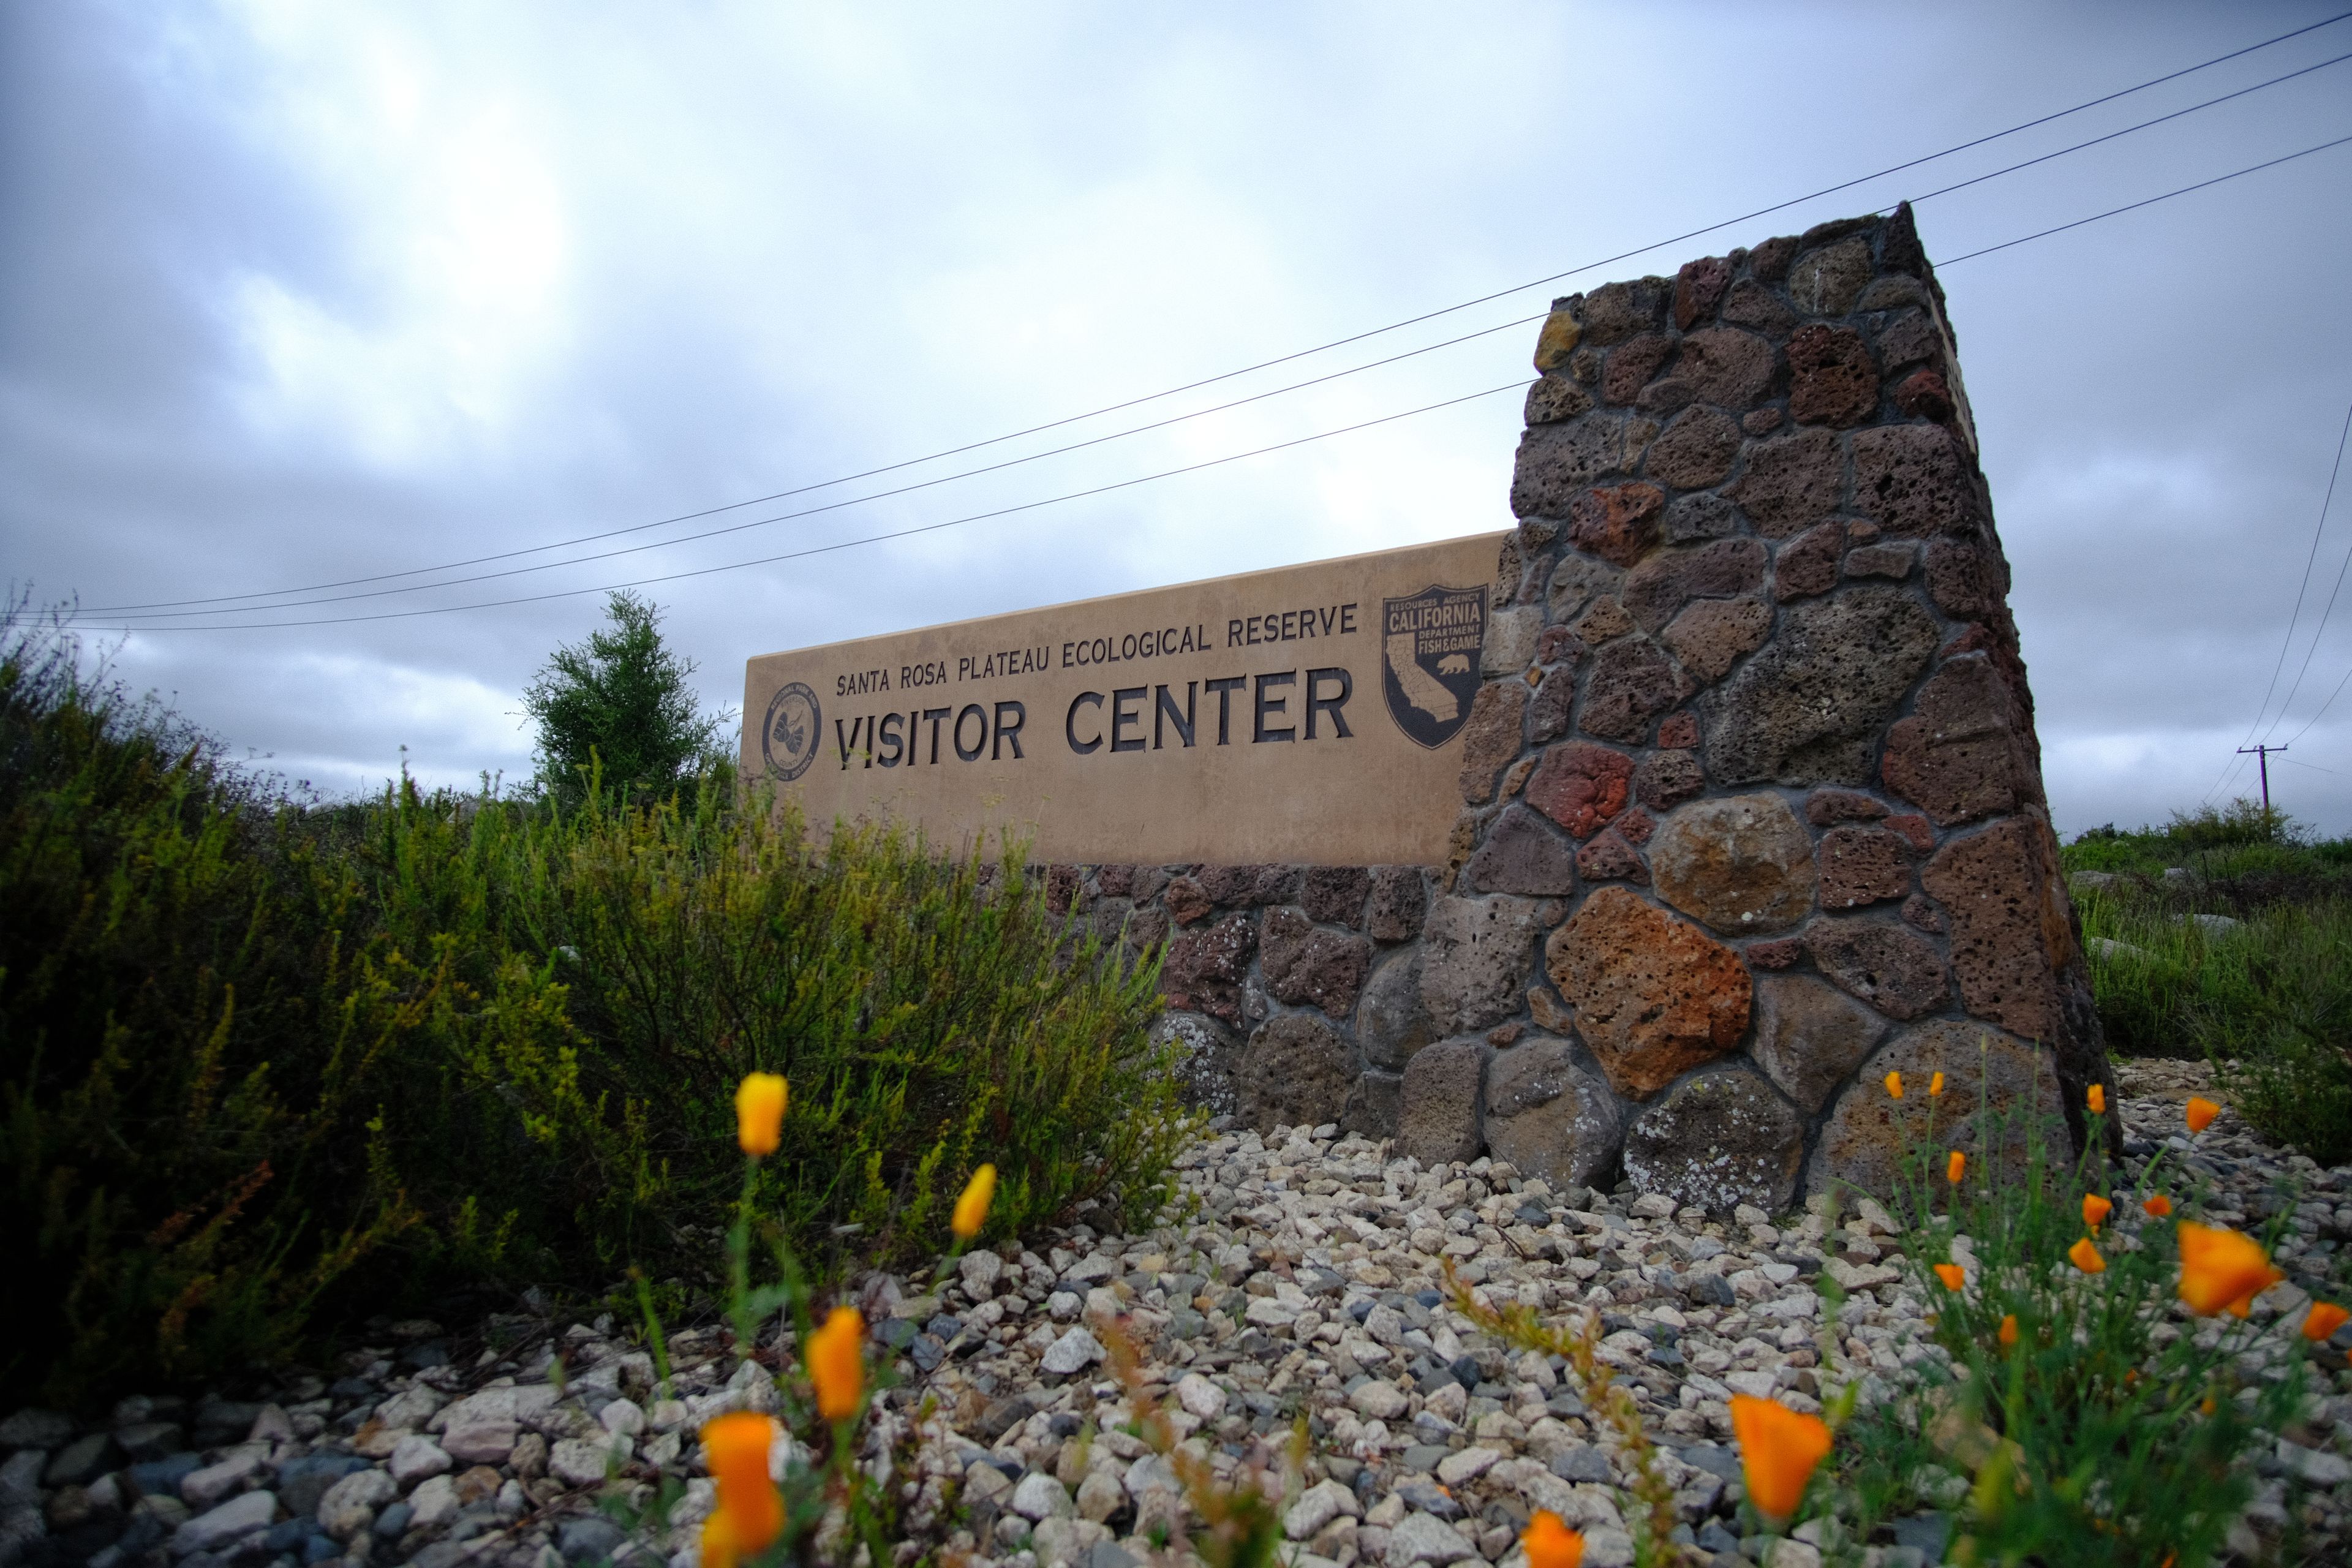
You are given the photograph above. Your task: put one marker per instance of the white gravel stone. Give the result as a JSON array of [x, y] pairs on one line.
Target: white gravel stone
[[416, 1458], [232, 1522], [1322, 1502], [1379, 1400], [202, 1488], [349, 1505], [413, 1406], [580, 1462], [1465, 1465], [1200, 1396], [1425, 1538], [1040, 1496], [1100, 1495], [431, 1503], [484, 1442], [622, 1418], [980, 1272], [1074, 1351]]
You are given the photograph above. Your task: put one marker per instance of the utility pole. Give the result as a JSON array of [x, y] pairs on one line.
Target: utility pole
[[2262, 760]]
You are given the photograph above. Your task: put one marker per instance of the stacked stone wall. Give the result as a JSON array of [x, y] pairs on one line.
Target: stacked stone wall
[[1751, 811]]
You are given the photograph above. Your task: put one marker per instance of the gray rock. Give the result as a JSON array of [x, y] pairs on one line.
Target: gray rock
[[433, 1503], [1321, 1504], [32, 1429], [1718, 1139], [248, 1513], [1510, 640], [202, 1488], [980, 1272], [1294, 1072], [1742, 864], [1438, 1115], [1075, 1352], [349, 1506], [412, 1406], [412, 1461], [80, 1461], [1868, 1133], [1523, 853], [302, 1482], [1548, 1117], [581, 1462], [590, 1539], [1809, 707], [1391, 1021], [1040, 1496], [2216, 925], [1206, 1050], [1476, 958], [2092, 881], [480, 1442], [1424, 1538], [20, 1479], [1809, 1037], [1375, 1105], [19, 1527]]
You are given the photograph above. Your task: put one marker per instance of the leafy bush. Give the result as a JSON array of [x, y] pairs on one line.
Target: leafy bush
[[267, 1062], [620, 702]]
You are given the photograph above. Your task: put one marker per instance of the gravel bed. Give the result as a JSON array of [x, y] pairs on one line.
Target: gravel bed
[[1302, 1282]]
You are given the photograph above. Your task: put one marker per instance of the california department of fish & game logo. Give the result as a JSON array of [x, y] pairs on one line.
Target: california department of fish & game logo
[[789, 734], [1430, 645]]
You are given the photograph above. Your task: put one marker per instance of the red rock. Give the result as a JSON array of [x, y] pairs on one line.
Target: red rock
[[1204, 970], [1966, 580], [1632, 364], [1808, 564], [1654, 997], [1556, 461], [1187, 902], [1833, 380], [1678, 731], [1247, 885], [1725, 366], [1523, 853], [1617, 523], [1547, 715], [1695, 451], [1914, 480], [1896, 970], [1632, 681], [1828, 807], [1924, 395], [1779, 953], [1555, 398], [1791, 482], [1893, 561], [1334, 894], [1698, 289], [1294, 1072], [1861, 866], [1751, 304], [1491, 740], [1062, 887], [1635, 827], [1116, 881], [1911, 339], [1666, 779], [1556, 645], [1615, 311], [1771, 260], [1306, 966], [2012, 927], [1760, 421], [1608, 858], [1923, 913], [1962, 754], [1580, 786]]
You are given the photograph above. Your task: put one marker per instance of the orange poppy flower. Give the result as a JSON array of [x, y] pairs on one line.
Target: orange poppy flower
[[2098, 1099], [1550, 1543], [1936, 1086], [2086, 1257], [1956, 1167], [1894, 1082], [1953, 1275], [750, 1514], [759, 1113], [2157, 1207], [836, 1364], [2095, 1209], [1779, 1451], [2008, 1330], [2222, 1270], [971, 1209], [2323, 1319], [2200, 1114]]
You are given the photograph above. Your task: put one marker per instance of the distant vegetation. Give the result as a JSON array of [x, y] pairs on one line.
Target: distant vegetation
[[266, 1066], [2228, 934]]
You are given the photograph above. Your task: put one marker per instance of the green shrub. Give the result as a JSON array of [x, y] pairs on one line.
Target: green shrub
[[264, 1064]]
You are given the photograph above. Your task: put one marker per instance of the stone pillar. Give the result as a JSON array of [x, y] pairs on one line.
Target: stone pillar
[[1753, 806]]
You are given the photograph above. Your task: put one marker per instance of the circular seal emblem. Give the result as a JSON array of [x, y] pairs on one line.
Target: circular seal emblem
[[789, 734]]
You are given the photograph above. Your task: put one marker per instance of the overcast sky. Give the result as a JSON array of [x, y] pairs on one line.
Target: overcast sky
[[292, 294]]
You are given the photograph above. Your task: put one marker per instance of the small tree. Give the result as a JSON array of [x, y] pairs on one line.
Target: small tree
[[621, 700]]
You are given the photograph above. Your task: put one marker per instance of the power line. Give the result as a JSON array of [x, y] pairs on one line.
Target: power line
[[168, 609], [2135, 206], [1283, 359], [2320, 630], [847, 543], [1124, 484]]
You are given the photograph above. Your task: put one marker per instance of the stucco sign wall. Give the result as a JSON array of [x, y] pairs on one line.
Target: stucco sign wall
[[1311, 713]]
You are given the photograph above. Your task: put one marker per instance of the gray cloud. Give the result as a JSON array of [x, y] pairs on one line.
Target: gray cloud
[[286, 298]]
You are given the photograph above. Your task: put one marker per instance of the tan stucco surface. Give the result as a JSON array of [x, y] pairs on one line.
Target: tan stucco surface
[[1050, 722]]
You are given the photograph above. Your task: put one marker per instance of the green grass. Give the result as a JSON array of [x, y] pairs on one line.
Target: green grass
[[266, 1065], [2271, 994]]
